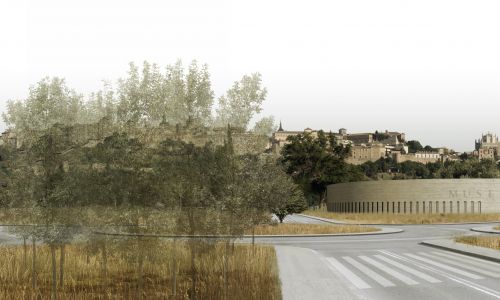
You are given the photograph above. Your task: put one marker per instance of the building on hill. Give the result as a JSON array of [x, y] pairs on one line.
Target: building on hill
[[367, 152], [364, 146], [420, 156], [488, 147]]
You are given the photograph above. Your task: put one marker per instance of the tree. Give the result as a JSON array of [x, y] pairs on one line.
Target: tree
[[49, 102], [414, 146], [241, 102], [151, 97], [265, 126], [315, 162], [283, 196]]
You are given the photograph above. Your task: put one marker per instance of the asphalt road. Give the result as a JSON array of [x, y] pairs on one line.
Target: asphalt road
[[390, 266]]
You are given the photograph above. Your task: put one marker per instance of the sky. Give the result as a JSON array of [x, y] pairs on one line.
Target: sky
[[430, 69]]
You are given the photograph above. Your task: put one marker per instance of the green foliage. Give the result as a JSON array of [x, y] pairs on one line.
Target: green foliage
[[144, 97], [469, 168], [414, 146], [241, 102], [150, 97], [380, 136], [49, 102], [265, 126], [315, 162]]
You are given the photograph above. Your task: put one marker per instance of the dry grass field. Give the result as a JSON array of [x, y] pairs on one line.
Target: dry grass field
[[286, 228], [481, 241], [88, 274], [381, 218]]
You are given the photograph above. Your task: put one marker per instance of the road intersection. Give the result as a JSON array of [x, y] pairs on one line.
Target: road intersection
[[391, 266]]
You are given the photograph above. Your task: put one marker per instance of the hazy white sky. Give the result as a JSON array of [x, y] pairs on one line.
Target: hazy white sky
[[430, 68]]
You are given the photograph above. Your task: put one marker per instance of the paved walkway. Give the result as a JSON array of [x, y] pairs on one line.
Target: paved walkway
[[304, 275]]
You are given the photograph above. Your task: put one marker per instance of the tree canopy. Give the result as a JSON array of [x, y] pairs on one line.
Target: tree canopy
[[315, 162]]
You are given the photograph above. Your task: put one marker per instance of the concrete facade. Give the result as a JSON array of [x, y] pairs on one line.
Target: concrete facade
[[416, 196]]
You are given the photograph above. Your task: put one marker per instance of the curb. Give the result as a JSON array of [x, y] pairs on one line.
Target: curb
[[391, 224], [469, 250], [486, 229], [326, 220], [381, 231]]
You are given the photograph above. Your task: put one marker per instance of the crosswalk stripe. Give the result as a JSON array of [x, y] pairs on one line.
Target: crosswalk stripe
[[370, 273], [473, 260], [353, 278], [408, 269], [389, 271], [443, 266], [462, 265]]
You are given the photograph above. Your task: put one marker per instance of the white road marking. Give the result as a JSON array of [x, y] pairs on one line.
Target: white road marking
[[443, 266], [389, 271], [470, 259], [462, 265], [470, 284], [353, 278], [408, 269], [367, 271]]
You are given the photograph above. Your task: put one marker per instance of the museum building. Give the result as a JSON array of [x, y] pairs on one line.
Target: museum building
[[416, 196]]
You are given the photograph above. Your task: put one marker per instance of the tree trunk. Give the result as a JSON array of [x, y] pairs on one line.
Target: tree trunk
[[54, 272], [25, 253], [225, 268], [281, 218], [61, 266], [33, 264], [140, 270], [253, 236], [174, 270], [104, 262]]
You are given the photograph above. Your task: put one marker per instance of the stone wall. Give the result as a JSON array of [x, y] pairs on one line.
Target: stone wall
[[82, 134], [416, 196]]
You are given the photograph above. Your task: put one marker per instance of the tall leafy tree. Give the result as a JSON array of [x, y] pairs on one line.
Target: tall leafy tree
[[265, 126], [241, 102], [49, 102], [315, 162]]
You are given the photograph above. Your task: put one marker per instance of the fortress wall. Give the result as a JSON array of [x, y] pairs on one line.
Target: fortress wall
[[416, 196]]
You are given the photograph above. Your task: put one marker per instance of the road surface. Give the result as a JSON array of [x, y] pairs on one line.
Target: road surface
[[390, 266]]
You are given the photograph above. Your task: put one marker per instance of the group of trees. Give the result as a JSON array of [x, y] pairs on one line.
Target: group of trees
[[466, 168], [145, 97], [316, 162], [175, 188], [415, 146]]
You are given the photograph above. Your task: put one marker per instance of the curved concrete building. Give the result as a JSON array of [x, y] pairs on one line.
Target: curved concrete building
[[416, 196]]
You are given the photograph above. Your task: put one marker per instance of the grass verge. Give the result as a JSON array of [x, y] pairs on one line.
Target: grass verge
[[145, 269], [285, 229], [492, 242], [380, 218]]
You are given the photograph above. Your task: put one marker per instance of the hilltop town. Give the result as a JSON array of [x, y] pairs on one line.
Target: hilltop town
[[369, 146], [364, 147]]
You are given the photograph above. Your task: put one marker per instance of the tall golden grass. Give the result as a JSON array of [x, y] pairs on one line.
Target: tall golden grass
[[481, 241], [251, 271], [381, 218], [285, 228]]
